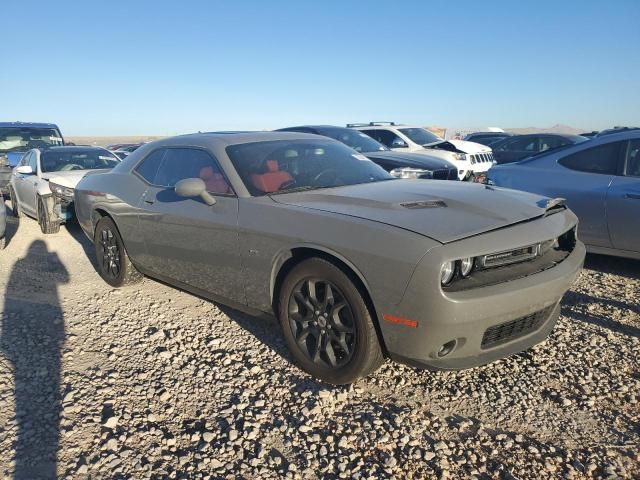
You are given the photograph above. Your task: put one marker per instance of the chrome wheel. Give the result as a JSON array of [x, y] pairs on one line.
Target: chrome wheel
[[322, 323]]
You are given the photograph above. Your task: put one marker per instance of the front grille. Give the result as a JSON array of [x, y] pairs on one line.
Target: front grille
[[444, 174], [505, 332]]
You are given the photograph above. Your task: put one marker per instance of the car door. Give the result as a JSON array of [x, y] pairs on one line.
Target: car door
[[516, 149], [187, 240], [623, 202], [583, 179], [27, 184]]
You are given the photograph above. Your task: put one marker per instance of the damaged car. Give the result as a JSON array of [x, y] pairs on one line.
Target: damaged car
[[356, 265], [471, 159], [42, 183], [398, 164]]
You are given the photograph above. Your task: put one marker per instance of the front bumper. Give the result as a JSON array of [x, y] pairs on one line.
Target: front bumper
[[465, 319], [63, 208]]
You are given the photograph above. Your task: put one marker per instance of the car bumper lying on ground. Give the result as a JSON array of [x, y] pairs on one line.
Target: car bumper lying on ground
[[441, 328]]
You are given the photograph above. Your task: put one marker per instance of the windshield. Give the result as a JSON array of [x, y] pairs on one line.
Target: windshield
[[359, 141], [24, 138], [282, 166], [64, 161], [420, 135]]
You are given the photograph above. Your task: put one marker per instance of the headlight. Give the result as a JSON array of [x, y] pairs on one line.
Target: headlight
[[410, 173], [447, 272], [461, 156], [466, 265], [60, 191]]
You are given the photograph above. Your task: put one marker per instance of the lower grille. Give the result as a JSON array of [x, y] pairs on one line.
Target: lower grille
[[444, 174], [505, 332]]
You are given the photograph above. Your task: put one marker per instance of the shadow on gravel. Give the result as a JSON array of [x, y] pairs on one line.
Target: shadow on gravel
[[31, 338], [583, 299], [625, 267], [266, 329], [12, 225], [74, 229]]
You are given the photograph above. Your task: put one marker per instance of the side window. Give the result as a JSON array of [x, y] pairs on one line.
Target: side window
[[25, 159], [181, 163], [149, 166], [602, 159], [385, 137], [33, 162], [547, 143], [633, 159], [528, 144]]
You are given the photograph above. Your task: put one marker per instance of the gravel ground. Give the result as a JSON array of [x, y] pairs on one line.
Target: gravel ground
[[152, 382]]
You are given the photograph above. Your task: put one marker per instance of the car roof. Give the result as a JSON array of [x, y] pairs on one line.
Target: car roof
[[232, 138], [27, 125], [71, 148]]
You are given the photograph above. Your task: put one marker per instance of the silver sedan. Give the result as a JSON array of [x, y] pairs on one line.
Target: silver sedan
[[357, 265], [600, 180]]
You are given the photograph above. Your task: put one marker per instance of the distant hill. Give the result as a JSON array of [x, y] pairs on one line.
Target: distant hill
[[566, 129]]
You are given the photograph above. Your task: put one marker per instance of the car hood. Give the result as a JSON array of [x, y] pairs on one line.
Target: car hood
[[470, 147], [443, 211], [71, 178], [411, 159]]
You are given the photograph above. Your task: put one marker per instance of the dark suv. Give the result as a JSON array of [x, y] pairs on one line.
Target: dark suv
[[398, 164], [16, 138]]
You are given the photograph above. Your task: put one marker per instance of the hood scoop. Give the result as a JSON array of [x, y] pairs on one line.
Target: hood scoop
[[424, 204]]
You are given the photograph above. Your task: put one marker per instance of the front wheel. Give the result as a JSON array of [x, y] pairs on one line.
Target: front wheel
[[15, 208], [47, 224], [114, 265], [326, 323]]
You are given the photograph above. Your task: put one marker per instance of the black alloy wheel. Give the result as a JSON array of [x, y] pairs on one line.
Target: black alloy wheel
[[322, 323], [113, 263], [109, 254]]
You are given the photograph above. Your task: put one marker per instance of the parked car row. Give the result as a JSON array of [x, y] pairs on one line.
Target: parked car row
[[348, 241]]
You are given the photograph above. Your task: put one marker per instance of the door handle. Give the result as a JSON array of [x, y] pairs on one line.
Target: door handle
[[149, 202], [634, 196]]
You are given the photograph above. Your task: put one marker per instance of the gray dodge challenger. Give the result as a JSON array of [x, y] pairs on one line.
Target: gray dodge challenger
[[357, 265]]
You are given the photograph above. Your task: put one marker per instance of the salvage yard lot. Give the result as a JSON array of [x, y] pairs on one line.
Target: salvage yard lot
[[151, 382]]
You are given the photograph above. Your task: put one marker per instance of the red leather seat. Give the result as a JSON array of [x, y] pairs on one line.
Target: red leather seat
[[271, 180], [214, 181]]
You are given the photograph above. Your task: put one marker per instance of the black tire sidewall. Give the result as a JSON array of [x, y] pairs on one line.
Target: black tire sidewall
[[359, 363], [15, 208], [103, 224]]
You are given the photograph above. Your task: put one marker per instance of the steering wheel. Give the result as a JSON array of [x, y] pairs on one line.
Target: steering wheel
[[71, 166], [328, 171]]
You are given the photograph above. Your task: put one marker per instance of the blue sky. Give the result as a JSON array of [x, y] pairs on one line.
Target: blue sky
[[137, 67]]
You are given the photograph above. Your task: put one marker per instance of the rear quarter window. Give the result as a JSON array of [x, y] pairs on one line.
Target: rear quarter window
[[602, 159]]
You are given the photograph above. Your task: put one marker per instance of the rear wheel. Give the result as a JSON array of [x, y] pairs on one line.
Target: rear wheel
[[15, 208], [326, 323], [47, 224], [114, 265]]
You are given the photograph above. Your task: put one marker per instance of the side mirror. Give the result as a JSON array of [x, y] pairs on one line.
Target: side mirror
[[194, 187], [25, 170], [398, 144]]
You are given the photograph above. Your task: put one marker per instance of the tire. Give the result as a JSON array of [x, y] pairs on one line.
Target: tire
[[113, 263], [47, 224], [306, 328], [15, 208]]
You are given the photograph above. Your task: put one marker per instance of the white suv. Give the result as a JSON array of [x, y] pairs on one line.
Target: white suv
[[472, 159]]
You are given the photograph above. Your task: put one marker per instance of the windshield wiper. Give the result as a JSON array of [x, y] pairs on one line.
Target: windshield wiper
[[299, 189]]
